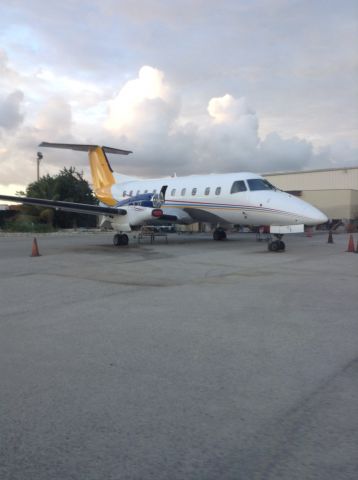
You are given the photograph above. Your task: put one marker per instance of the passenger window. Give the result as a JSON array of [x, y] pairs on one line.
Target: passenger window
[[218, 191], [238, 186], [172, 193], [183, 191], [193, 192], [207, 191]]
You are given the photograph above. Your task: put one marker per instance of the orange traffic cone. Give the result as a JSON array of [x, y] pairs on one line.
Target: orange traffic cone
[[330, 237], [35, 249], [351, 244]]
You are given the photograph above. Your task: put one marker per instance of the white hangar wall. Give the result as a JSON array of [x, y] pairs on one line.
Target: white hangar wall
[[334, 191]]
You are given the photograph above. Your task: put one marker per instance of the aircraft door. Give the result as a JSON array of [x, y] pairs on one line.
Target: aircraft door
[[163, 191], [159, 198]]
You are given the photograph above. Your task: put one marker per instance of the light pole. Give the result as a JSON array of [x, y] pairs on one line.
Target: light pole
[[39, 158]]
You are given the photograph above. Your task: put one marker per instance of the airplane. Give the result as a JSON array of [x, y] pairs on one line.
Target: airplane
[[224, 200]]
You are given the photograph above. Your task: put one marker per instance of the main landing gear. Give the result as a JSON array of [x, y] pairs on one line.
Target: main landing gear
[[219, 234], [277, 245], [120, 239]]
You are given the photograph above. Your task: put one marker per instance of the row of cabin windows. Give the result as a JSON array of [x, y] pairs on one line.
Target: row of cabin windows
[[195, 191], [237, 186], [131, 192], [173, 192]]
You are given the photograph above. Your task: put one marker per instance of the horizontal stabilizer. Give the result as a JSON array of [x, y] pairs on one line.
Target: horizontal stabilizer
[[66, 206], [84, 148]]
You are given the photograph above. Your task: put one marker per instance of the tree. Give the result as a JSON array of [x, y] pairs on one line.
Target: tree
[[70, 186]]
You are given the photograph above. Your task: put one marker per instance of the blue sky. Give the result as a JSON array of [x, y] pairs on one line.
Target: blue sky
[[189, 86]]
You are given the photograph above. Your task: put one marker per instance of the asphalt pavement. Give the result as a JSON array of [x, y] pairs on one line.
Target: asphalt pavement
[[195, 360]]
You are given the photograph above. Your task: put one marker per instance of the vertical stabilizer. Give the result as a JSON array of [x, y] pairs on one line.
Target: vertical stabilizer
[[101, 171], [102, 176]]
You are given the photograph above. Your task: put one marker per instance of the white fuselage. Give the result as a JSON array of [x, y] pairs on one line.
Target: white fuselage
[[234, 198]]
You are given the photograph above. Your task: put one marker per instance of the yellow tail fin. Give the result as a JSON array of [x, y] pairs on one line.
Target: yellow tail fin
[[102, 176]]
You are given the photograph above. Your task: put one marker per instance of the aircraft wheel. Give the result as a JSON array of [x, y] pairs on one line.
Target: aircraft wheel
[[219, 235], [273, 246], [124, 239], [276, 246], [120, 239], [282, 245]]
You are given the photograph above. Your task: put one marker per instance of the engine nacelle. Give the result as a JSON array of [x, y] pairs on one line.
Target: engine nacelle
[[136, 216]]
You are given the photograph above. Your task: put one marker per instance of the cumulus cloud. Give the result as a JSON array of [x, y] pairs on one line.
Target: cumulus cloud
[[333, 154], [8, 77], [19, 146], [55, 116], [144, 105], [146, 115], [17, 158], [277, 153], [11, 115], [142, 116], [231, 138], [227, 109]]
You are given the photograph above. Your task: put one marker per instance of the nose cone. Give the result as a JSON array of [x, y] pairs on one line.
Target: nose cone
[[304, 212], [314, 216]]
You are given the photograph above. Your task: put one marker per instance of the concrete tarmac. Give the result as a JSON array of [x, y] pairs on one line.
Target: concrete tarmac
[[195, 360]]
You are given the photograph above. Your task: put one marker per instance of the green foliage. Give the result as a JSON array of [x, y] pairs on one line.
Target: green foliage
[[70, 186], [6, 216], [27, 226]]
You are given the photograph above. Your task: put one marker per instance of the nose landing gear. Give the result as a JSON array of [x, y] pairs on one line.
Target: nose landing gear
[[277, 245]]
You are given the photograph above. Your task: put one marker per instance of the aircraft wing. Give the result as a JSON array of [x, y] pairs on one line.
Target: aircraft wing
[[66, 206]]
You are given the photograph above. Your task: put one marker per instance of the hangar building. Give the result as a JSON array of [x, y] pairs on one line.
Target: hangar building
[[334, 191]]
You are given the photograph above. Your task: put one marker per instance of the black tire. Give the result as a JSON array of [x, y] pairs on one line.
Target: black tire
[[123, 239], [120, 239], [282, 245], [219, 235], [274, 246], [116, 239]]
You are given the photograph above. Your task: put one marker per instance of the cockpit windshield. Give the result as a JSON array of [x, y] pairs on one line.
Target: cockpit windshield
[[260, 184]]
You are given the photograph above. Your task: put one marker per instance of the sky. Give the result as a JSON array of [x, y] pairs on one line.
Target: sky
[[193, 86]]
